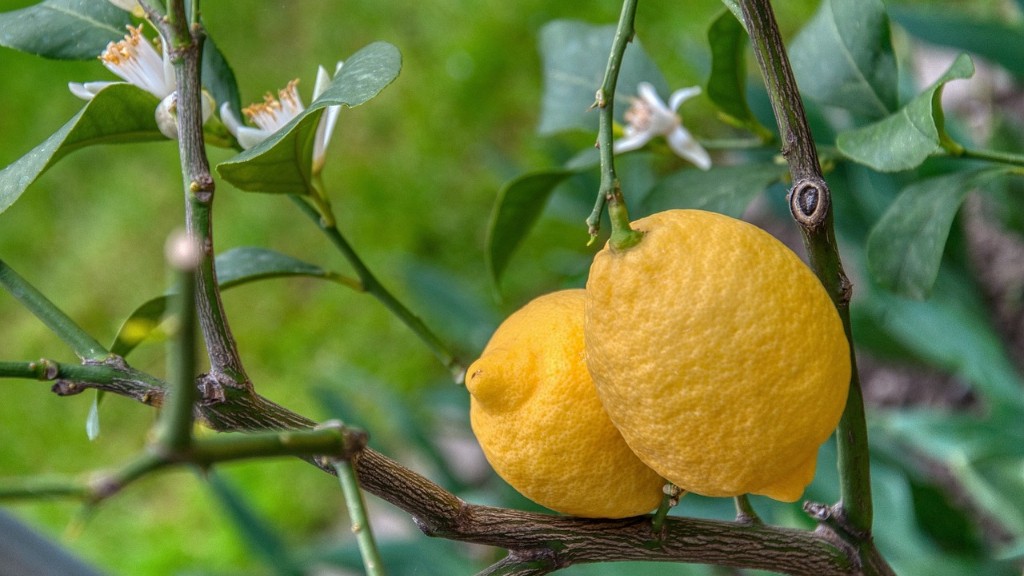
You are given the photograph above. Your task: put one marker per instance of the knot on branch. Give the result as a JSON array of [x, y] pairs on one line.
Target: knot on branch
[[810, 201]]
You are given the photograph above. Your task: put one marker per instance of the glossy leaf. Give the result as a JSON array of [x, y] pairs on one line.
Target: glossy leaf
[[219, 78], [519, 204], [63, 29], [843, 57], [996, 40], [905, 139], [235, 267], [724, 189], [905, 247], [283, 162], [574, 56], [119, 113], [727, 84]]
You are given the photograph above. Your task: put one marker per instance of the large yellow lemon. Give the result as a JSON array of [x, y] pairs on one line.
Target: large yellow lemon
[[537, 417], [717, 353]]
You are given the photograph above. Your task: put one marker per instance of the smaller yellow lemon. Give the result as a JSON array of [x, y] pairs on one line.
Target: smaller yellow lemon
[[536, 414]]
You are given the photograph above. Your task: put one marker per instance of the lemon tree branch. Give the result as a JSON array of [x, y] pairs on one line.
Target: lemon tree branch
[[810, 204]]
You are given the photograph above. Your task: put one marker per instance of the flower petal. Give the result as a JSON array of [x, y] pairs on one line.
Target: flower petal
[[633, 141], [682, 95], [647, 92], [87, 90], [686, 147]]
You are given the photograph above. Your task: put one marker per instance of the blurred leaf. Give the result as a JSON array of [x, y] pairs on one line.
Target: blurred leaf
[[405, 557], [727, 84], [997, 41], [724, 189], [282, 163], [574, 56], [905, 139], [516, 209], [63, 29], [950, 331], [219, 78], [996, 486], [235, 267], [261, 539], [905, 247], [946, 524], [843, 57], [92, 421], [119, 113]]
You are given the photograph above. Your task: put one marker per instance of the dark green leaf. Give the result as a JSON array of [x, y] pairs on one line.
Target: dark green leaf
[[843, 57], [283, 162], [905, 139], [219, 78], [235, 267], [996, 41], [519, 204], [574, 56], [63, 29], [727, 85], [260, 537], [905, 247], [951, 331], [734, 7], [724, 189], [119, 113]]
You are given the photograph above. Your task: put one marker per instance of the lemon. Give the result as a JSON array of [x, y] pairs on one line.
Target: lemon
[[535, 412], [717, 353]]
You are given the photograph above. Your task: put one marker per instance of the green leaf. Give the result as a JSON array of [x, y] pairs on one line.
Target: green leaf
[[727, 84], [734, 7], [519, 204], [219, 78], [724, 189], [235, 267], [283, 162], [119, 113], [63, 29], [905, 139], [996, 41], [574, 56], [951, 331], [905, 247], [843, 57]]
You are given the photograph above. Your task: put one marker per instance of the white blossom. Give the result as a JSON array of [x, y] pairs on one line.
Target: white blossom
[[272, 114], [648, 116]]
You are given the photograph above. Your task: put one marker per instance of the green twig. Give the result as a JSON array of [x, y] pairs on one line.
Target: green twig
[[610, 191], [810, 203], [175, 428], [669, 499], [84, 345], [46, 369], [360, 519], [371, 285], [1000, 157]]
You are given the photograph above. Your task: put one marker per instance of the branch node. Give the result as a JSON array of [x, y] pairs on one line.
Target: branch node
[[810, 201]]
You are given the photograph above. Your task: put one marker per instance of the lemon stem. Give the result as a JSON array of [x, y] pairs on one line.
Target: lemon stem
[[610, 192], [669, 499]]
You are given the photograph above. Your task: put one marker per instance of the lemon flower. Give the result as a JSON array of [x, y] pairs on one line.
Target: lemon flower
[[648, 116], [273, 114], [135, 60]]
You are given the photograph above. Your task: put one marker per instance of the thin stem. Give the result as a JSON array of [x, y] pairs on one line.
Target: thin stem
[[610, 191], [810, 203], [226, 368], [371, 285], [745, 512], [84, 345], [998, 156], [669, 498], [46, 370], [177, 419], [360, 519]]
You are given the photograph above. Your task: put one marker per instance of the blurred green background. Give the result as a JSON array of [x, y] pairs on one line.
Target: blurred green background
[[413, 175]]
